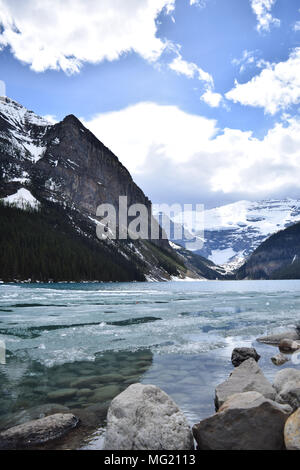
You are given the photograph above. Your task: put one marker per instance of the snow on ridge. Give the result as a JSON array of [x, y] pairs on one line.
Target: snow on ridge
[[17, 114], [23, 199]]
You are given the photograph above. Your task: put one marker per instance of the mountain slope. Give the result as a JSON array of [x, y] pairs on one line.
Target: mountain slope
[[276, 258], [64, 169], [232, 232]]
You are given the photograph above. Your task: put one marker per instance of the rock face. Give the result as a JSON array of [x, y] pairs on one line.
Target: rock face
[[276, 338], [240, 355], [65, 168], [246, 421], [292, 431], [245, 378], [38, 431], [279, 359], [143, 417], [287, 386]]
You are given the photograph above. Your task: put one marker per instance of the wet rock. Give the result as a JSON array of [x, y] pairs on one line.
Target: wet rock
[[143, 417], [240, 355], [279, 359], [83, 392], [289, 345], [276, 338], [38, 431], [105, 393], [287, 386], [83, 382], [62, 394], [292, 432], [246, 421], [30, 414], [245, 378]]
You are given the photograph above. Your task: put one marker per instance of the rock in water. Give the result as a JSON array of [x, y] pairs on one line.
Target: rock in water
[[246, 421], [143, 417], [240, 355], [38, 431], [275, 339], [248, 377], [287, 386], [289, 345], [292, 432], [279, 359]]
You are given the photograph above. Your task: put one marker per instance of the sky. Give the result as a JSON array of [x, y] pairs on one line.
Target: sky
[[199, 99]]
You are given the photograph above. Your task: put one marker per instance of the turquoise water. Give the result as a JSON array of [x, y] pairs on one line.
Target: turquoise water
[[76, 346]]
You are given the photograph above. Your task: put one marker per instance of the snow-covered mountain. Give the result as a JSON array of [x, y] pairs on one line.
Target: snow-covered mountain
[[233, 231], [62, 173]]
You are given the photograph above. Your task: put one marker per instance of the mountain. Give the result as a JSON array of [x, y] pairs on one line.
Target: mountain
[[232, 232], [276, 258], [52, 178]]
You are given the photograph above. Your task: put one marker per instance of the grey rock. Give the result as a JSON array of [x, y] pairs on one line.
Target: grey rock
[[108, 392], [37, 412], [276, 338], [287, 386], [279, 359], [38, 431], [62, 394], [245, 378], [240, 355], [143, 417], [289, 345], [246, 421]]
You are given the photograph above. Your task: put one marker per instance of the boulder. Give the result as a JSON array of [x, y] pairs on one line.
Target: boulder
[[279, 359], [292, 431], [143, 417], [37, 412], [37, 431], [287, 386], [240, 355], [289, 345], [276, 338], [248, 377], [246, 421]]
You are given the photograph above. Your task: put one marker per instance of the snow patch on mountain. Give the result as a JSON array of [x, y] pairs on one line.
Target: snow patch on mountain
[[23, 199], [233, 231]]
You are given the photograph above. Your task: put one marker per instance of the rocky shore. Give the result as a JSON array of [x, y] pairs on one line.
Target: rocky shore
[[251, 413]]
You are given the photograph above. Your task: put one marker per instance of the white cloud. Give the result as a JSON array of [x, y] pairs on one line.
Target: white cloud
[[276, 88], [63, 34], [148, 125], [177, 156], [50, 118], [262, 9], [190, 70], [199, 3], [297, 26], [248, 58], [212, 99]]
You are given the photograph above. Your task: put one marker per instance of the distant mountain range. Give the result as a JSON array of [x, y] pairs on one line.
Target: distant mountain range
[[52, 178], [232, 232]]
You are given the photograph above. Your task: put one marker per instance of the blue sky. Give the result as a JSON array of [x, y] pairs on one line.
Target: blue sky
[[199, 99]]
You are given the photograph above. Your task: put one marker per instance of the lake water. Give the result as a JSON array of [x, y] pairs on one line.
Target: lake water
[[77, 346]]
